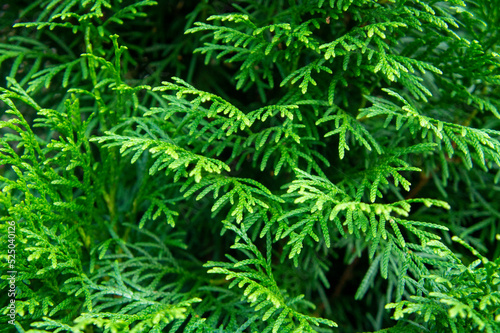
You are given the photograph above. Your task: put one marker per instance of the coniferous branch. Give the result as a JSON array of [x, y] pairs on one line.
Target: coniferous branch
[[474, 304], [261, 289], [334, 144], [444, 133]]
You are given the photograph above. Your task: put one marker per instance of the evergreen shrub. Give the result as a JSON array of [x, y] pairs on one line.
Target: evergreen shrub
[[250, 166]]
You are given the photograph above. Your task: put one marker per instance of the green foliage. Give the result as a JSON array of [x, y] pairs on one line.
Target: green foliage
[[250, 166]]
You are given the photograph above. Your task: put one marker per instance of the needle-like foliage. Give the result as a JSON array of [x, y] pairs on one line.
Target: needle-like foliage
[[250, 166]]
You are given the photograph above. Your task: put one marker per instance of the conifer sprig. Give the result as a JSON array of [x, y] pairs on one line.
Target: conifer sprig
[[259, 166]]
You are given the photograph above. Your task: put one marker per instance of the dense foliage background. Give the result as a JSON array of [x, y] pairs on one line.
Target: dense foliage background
[[250, 166]]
